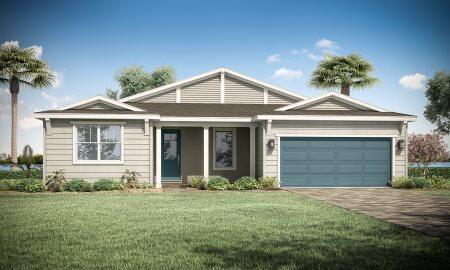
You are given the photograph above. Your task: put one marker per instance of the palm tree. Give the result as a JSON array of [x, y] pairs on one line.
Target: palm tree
[[21, 67], [343, 72]]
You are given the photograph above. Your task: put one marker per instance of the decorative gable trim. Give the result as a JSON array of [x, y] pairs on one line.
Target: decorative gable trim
[[103, 100], [334, 95], [222, 72]]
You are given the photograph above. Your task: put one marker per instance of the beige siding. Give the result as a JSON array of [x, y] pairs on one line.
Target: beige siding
[[238, 91], [100, 106], [59, 150], [206, 91], [331, 104], [332, 129], [169, 96], [276, 98]]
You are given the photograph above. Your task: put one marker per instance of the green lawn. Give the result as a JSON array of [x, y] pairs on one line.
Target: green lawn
[[263, 230]]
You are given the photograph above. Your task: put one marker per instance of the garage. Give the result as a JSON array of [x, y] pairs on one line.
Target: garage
[[335, 162]]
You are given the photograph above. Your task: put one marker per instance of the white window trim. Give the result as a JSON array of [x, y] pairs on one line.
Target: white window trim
[[75, 159], [233, 168]]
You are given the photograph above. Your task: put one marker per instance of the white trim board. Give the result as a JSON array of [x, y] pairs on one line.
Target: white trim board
[[103, 100], [333, 95], [94, 116], [333, 136], [209, 74], [335, 118]]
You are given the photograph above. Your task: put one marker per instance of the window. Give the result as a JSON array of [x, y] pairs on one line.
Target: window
[[98, 144], [224, 149]]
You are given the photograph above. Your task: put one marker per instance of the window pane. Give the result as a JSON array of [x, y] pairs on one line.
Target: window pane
[[87, 151], [224, 149], [110, 151], [110, 133], [87, 134]]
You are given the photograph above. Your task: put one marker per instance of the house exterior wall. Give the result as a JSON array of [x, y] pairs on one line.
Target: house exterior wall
[[164, 97], [205, 91], [59, 153], [238, 92], [259, 134], [331, 104], [331, 129], [276, 98]]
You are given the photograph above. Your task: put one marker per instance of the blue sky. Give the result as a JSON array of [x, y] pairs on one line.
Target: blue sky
[[86, 43]]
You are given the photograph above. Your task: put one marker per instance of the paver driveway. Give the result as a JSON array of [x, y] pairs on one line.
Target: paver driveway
[[412, 209]]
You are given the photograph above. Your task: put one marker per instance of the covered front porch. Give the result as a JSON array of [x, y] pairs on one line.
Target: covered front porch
[[183, 149]]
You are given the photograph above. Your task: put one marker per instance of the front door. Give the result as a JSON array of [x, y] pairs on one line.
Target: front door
[[170, 153]]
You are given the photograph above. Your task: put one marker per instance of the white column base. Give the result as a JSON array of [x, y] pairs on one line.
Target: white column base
[[158, 158]]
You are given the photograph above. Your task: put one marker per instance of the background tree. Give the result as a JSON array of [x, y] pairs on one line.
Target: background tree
[[135, 79], [437, 110], [28, 158], [112, 94], [424, 149], [344, 73], [21, 67]]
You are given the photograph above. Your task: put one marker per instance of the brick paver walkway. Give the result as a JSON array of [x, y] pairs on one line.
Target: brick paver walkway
[[412, 209]]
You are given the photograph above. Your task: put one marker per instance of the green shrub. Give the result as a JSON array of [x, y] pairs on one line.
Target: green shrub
[[443, 172], [3, 185], [29, 185], [203, 184], [78, 185], [33, 174], [421, 182], [144, 185], [107, 184], [130, 179], [193, 181], [268, 182], [55, 181], [231, 186], [402, 182], [438, 182], [218, 183], [246, 182]]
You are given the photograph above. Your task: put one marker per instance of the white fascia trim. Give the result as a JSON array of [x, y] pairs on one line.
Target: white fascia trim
[[104, 100], [206, 119], [341, 97], [340, 136], [170, 86], [93, 116], [335, 118], [264, 85], [207, 75]]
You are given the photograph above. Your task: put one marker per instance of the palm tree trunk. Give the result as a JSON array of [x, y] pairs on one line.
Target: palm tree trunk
[[345, 90], [14, 89]]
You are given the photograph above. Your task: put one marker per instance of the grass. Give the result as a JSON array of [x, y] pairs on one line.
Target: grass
[[265, 230]]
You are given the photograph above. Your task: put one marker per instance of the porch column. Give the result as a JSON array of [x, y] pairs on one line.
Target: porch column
[[252, 151], [206, 151], [158, 157]]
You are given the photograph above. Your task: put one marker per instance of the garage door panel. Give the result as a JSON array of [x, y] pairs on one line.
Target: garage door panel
[[350, 155], [294, 156], [294, 169], [376, 155], [321, 156], [376, 144], [349, 180], [321, 144], [350, 168], [327, 162], [321, 169], [321, 181], [349, 144], [295, 181]]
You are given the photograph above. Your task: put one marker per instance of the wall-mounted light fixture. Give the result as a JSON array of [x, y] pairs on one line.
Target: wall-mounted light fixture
[[401, 144], [271, 144]]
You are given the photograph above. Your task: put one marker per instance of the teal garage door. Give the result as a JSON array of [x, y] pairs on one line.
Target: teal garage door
[[335, 162]]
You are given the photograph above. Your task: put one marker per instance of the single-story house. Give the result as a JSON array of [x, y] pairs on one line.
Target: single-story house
[[228, 124]]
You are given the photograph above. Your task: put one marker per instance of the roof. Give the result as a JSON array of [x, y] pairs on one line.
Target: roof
[[148, 93], [100, 99]]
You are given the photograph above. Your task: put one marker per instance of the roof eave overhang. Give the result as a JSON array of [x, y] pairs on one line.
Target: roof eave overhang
[[406, 118], [43, 115]]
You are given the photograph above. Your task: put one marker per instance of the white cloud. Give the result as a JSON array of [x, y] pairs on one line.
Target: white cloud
[[328, 51], [326, 44], [55, 101], [286, 73], [274, 58], [413, 81], [58, 79], [38, 50], [29, 123], [315, 57], [295, 51], [14, 43]]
